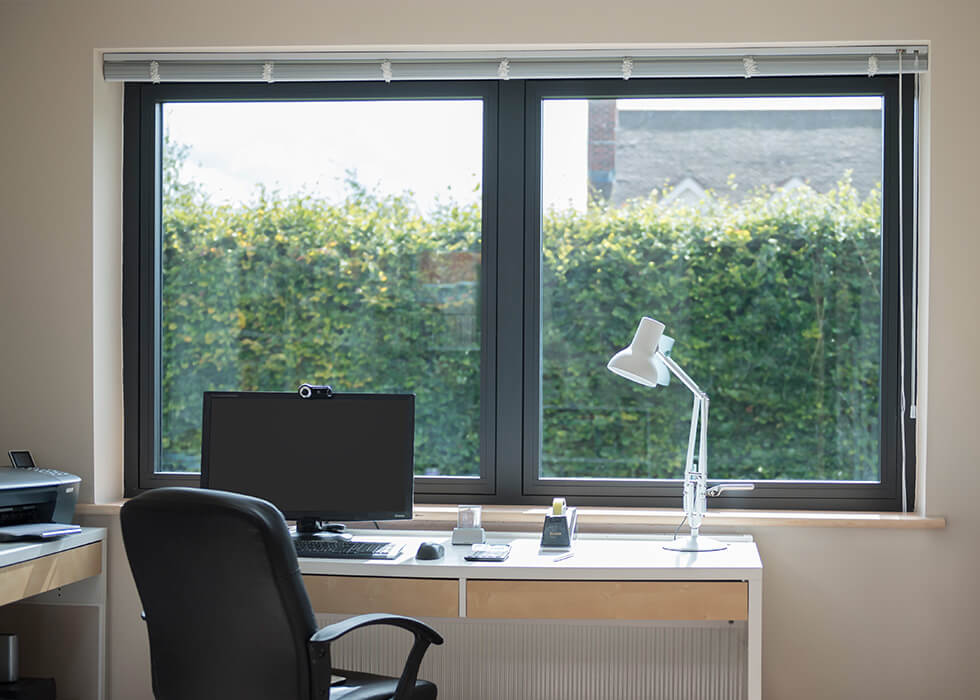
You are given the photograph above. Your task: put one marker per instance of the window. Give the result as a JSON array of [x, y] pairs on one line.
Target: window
[[489, 245]]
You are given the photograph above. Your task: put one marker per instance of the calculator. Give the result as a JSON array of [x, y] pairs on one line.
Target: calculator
[[488, 552]]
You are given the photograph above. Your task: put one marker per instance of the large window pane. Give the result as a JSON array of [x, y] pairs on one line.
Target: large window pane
[[332, 242], [752, 228]]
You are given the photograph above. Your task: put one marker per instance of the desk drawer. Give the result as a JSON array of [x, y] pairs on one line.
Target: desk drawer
[[608, 600], [30, 578], [353, 595]]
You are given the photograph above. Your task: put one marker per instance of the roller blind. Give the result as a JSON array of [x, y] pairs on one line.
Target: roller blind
[[298, 67]]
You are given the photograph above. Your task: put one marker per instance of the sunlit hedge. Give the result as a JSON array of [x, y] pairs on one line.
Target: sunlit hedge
[[775, 306]]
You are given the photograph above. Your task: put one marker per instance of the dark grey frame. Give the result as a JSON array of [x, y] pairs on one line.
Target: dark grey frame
[[510, 381], [141, 271], [885, 495]]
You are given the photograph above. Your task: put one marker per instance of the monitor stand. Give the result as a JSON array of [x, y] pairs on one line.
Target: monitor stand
[[311, 528]]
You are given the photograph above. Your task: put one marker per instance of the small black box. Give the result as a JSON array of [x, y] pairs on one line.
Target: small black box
[[559, 530], [28, 689]]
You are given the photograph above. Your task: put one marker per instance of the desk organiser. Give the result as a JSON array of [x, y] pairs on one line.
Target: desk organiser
[[468, 530], [559, 530]]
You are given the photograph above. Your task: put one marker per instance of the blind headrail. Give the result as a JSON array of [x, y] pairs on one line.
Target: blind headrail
[[494, 65]]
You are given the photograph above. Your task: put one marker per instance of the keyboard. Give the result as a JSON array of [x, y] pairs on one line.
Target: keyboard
[[333, 549]]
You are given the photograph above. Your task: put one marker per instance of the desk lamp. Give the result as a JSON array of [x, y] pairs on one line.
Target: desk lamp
[[647, 361]]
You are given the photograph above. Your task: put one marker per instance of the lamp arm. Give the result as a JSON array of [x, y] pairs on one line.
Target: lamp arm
[[692, 439], [695, 475], [682, 375], [703, 443]]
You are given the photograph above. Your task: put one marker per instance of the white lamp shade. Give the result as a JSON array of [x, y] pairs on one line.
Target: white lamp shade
[[638, 362]]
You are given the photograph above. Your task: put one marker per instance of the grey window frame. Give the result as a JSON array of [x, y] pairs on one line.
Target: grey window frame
[[143, 138], [510, 294]]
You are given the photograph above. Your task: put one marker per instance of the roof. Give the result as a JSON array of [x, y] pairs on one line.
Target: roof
[[759, 148]]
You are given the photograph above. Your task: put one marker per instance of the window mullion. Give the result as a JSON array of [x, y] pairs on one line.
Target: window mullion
[[510, 291]]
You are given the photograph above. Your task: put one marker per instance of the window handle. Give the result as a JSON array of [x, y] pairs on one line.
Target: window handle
[[721, 488]]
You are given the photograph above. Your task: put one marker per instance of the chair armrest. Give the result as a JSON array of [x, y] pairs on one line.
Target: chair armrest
[[319, 649], [333, 632]]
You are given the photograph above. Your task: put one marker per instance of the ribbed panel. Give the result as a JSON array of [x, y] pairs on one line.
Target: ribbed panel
[[547, 660]]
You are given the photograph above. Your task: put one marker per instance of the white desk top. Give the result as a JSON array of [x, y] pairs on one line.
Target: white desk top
[[598, 558], [17, 552]]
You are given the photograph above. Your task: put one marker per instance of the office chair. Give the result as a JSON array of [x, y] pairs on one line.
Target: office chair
[[226, 611]]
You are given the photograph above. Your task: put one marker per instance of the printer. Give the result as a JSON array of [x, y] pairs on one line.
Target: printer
[[32, 495]]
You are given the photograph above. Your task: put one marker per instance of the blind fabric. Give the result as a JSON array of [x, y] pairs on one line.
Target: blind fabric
[[299, 67]]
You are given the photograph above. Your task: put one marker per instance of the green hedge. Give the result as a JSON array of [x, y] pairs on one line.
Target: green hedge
[[775, 306]]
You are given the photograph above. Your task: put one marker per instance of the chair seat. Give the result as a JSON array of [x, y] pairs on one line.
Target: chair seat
[[367, 686]]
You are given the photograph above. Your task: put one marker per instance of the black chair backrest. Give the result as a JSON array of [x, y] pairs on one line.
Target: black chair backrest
[[226, 610]]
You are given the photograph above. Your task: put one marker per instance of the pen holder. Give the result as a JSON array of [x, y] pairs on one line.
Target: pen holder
[[468, 530], [559, 530]]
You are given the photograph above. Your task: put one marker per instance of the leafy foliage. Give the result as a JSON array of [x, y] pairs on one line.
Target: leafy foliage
[[291, 290], [776, 308], [775, 304]]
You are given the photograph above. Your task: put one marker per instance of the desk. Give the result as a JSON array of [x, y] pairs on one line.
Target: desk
[[61, 624], [610, 583]]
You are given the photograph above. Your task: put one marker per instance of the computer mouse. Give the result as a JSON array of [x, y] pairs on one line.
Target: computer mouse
[[430, 550]]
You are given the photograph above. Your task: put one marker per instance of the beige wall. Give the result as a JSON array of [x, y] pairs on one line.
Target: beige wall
[[849, 613]]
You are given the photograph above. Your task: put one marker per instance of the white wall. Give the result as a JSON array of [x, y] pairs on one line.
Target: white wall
[[849, 613]]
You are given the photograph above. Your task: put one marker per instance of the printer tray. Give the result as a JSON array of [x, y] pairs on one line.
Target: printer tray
[[37, 531]]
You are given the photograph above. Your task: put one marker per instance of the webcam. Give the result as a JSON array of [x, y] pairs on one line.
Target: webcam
[[312, 391]]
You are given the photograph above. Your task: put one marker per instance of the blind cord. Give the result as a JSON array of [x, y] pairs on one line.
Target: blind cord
[[901, 285], [913, 410]]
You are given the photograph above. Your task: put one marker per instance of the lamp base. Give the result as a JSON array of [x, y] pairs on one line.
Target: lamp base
[[695, 544]]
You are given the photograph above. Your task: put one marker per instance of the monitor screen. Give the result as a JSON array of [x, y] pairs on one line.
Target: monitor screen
[[349, 457]]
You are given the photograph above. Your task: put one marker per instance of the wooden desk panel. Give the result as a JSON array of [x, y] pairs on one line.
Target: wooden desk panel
[[353, 595], [30, 578], [607, 600]]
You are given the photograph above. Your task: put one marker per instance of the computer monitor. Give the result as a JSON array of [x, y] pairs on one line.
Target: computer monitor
[[347, 457]]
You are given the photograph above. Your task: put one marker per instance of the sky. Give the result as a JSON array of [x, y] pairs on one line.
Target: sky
[[431, 148]]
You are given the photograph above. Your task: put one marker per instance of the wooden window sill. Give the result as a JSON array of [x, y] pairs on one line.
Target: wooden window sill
[[631, 519], [592, 519]]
